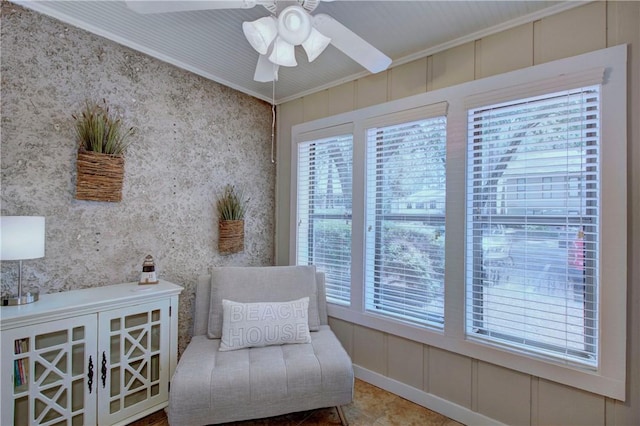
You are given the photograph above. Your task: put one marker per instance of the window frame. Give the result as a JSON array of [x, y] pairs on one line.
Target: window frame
[[479, 216], [609, 377], [320, 135], [425, 113]]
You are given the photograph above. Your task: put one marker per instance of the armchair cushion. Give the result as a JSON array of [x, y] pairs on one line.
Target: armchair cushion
[[211, 387]]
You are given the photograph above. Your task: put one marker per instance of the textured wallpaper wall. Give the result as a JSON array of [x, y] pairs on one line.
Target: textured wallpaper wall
[[194, 137]]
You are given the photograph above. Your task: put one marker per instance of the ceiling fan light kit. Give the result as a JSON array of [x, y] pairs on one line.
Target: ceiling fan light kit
[[283, 53], [275, 37], [265, 70], [294, 25], [261, 33], [315, 44]]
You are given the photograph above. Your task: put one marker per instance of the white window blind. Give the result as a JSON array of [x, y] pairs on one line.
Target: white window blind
[[405, 192], [532, 228], [324, 211]]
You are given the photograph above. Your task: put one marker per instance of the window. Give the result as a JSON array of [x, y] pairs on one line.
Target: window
[[547, 187], [532, 266], [324, 211], [521, 188], [575, 186], [487, 219], [405, 245]]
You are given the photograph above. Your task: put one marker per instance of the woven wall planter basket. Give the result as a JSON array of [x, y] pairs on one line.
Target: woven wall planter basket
[[230, 236], [100, 176]]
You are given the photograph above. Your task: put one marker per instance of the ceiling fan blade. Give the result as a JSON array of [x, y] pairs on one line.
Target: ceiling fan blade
[[351, 44], [149, 6], [266, 70]]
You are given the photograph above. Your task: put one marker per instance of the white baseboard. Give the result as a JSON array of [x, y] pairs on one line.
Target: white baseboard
[[454, 411]]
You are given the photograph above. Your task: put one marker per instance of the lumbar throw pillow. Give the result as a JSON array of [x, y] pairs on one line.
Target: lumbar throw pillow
[[246, 325], [261, 284]]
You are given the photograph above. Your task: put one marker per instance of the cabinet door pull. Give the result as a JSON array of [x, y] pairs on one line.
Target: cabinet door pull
[[104, 370], [90, 374]]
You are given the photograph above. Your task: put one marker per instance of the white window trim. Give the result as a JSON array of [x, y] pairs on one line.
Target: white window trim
[[609, 379], [314, 135], [426, 112]]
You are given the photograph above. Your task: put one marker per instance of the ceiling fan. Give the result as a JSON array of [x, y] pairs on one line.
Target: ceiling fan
[[275, 36]]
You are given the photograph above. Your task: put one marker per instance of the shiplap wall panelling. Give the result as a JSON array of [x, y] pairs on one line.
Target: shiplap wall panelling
[[369, 349], [408, 79], [450, 376], [623, 26], [342, 98], [288, 115], [505, 395], [316, 105], [371, 90], [490, 51], [405, 361], [570, 33], [502, 394], [344, 331], [453, 66], [558, 406]]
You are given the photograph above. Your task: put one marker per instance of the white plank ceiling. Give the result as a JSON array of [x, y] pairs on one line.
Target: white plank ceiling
[[211, 43]]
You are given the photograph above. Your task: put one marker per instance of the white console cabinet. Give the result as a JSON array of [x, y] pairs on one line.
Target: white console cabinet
[[98, 356]]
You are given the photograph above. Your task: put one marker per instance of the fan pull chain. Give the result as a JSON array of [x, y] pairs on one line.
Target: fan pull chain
[[273, 119]]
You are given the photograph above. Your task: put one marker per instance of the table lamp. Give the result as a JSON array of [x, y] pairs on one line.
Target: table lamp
[[22, 238]]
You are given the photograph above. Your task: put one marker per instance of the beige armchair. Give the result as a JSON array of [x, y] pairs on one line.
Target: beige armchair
[[259, 354]]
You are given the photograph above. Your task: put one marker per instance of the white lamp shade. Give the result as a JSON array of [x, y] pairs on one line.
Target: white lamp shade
[[315, 44], [21, 237], [265, 70], [261, 33], [294, 25], [283, 53]]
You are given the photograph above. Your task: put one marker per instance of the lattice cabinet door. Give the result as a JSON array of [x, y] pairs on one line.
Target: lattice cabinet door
[[134, 360], [53, 381]]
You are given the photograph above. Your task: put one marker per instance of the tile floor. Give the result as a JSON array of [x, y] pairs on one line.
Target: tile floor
[[372, 406]]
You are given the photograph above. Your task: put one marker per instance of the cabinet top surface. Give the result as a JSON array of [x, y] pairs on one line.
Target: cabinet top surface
[[86, 301]]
